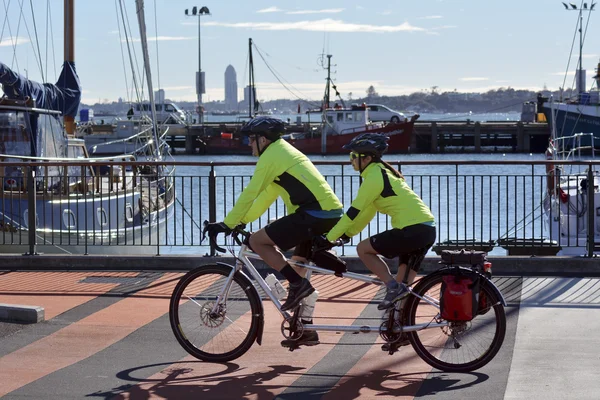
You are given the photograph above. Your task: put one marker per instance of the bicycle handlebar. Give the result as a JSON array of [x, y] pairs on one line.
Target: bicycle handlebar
[[240, 236], [235, 235]]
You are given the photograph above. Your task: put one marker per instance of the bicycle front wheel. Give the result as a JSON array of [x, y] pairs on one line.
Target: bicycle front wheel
[[210, 331], [459, 346]]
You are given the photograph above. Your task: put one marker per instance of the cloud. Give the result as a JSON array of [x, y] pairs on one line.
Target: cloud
[[432, 17], [10, 41], [325, 11], [175, 88], [328, 25], [164, 38], [270, 10], [438, 28], [474, 79]]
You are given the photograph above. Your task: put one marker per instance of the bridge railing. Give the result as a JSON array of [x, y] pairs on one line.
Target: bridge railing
[[497, 206]]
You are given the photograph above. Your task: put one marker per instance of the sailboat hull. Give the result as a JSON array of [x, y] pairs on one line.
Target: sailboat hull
[[140, 236], [570, 119]]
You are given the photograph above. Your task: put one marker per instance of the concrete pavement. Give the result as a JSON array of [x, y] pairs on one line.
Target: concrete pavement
[[107, 335]]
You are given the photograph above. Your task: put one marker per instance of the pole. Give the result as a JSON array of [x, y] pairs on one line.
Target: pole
[[69, 48], [579, 75], [200, 82]]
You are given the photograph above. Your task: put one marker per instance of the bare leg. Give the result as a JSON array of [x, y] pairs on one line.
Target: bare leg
[[262, 245], [402, 271], [299, 287], [371, 259], [301, 271]]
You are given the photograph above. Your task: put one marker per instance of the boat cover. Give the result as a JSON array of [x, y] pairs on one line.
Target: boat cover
[[63, 96]]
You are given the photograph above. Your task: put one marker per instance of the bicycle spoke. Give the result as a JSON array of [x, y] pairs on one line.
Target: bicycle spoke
[[209, 330], [459, 346]]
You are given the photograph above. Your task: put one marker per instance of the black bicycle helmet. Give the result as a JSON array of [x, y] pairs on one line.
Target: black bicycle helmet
[[269, 127], [373, 144]]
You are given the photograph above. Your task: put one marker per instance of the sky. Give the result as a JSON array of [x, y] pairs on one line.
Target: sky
[[399, 47]]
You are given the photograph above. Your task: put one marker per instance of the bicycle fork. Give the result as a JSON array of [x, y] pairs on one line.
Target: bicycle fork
[[222, 297]]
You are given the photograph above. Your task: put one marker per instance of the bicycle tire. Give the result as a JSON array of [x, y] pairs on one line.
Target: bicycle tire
[[223, 337], [436, 346]]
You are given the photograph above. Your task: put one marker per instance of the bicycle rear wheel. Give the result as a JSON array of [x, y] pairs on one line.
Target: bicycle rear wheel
[[460, 346], [219, 336]]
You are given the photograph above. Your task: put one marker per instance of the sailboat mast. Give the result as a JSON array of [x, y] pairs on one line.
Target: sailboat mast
[[251, 91], [142, 24], [69, 48], [326, 98]]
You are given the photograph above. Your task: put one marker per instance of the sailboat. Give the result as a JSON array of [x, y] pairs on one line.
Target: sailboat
[[579, 113], [53, 197], [572, 200]]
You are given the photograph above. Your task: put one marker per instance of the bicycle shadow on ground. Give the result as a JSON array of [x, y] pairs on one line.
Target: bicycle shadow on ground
[[385, 383], [180, 382]]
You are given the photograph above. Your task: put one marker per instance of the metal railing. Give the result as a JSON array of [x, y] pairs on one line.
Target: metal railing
[[476, 204]]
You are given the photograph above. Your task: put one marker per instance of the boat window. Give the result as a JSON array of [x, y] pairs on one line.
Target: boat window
[[169, 108], [340, 116], [373, 108], [26, 219], [69, 219], [349, 117], [330, 119], [359, 117], [14, 138], [129, 212], [101, 216]]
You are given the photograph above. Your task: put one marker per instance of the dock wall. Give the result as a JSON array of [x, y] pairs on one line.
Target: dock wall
[[502, 265], [428, 137]]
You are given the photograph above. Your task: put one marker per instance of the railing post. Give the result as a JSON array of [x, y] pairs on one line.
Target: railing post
[[31, 210], [591, 211], [212, 201]]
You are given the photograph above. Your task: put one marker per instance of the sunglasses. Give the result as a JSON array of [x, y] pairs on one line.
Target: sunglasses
[[354, 156]]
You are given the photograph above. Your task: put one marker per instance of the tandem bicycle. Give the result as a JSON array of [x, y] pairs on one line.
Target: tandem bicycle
[[217, 314]]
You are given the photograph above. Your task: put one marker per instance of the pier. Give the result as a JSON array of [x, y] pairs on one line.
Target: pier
[[428, 137]]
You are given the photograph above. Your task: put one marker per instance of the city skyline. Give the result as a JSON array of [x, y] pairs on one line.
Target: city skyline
[[397, 47]]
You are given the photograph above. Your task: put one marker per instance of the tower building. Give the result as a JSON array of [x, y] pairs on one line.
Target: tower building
[[231, 95]]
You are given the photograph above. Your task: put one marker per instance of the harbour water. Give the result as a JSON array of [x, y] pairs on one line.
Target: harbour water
[[499, 200]]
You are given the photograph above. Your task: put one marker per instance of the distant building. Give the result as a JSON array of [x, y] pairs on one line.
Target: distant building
[[231, 95], [159, 96]]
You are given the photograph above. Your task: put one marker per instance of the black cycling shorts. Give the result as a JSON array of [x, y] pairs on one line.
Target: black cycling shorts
[[401, 242], [297, 230]]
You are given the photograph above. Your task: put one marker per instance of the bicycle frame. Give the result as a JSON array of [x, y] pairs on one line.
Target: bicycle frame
[[244, 258]]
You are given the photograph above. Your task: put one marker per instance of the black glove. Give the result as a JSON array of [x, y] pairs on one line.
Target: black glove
[[321, 243], [214, 228], [345, 239]]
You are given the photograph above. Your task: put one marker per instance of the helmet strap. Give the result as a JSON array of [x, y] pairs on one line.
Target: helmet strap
[[360, 163], [260, 151], [256, 139]]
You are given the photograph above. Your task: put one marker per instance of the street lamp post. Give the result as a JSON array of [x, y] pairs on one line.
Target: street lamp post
[[199, 78], [580, 75]]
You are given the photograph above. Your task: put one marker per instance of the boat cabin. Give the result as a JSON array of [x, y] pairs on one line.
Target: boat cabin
[[341, 121]]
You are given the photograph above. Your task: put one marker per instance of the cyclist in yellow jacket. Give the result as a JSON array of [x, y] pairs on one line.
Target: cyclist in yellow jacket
[[384, 189], [312, 206]]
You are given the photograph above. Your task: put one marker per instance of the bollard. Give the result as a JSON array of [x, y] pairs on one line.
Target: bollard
[[212, 202], [591, 211], [31, 211]]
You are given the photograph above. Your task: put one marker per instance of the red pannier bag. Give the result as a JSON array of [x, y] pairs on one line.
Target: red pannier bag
[[459, 299]]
